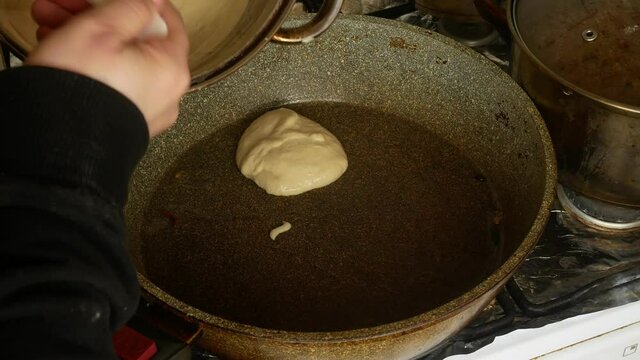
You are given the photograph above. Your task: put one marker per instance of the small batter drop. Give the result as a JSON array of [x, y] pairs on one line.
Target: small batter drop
[[287, 154], [279, 230]]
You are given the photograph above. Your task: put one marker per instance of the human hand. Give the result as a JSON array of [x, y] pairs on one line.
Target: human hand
[[104, 44], [52, 14]]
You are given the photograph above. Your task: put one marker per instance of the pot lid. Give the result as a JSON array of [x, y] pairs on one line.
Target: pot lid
[[223, 35], [593, 44]]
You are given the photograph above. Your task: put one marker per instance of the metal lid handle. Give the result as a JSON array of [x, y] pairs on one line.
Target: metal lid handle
[[320, 23]]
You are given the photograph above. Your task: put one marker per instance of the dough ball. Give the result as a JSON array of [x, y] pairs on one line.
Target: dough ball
[[287, 154]]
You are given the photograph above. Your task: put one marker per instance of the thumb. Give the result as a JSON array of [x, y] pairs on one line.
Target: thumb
[[126, 19]]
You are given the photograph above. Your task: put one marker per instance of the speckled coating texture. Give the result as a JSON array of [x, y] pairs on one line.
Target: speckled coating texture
[[396, 69]]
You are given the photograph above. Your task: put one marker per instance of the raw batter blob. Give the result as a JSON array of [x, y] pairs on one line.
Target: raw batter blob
[[286, 226], [287, 154]]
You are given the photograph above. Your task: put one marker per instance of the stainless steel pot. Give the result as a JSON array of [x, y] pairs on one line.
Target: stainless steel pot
[[224, 34], [580, 62]]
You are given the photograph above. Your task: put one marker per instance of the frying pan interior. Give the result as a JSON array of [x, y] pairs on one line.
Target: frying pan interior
[[448, 168]]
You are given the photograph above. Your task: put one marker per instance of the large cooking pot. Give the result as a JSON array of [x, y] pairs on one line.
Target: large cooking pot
[[580, 62], [450, 180], [224, 35]]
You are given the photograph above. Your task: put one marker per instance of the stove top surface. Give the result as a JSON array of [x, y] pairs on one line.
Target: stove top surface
[[572, 271]]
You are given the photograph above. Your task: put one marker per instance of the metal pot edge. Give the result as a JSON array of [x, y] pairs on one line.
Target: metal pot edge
[[612, 105]]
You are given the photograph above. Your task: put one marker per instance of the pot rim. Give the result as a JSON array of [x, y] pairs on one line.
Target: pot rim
[[607, 103], [425, 319], [250, 50]]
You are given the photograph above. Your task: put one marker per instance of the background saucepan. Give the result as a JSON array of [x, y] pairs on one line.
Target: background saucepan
[[580, 63]]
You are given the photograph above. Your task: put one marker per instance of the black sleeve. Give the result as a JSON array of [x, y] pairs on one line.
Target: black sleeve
[[68, 146]]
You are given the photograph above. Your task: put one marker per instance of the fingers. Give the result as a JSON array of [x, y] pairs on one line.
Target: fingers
[[48, 13], [177, 40], [52, 14], [73, 6], [126, 19], [42, 32]]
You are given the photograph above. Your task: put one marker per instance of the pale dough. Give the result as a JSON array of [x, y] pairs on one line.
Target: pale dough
[[286, 226], [288, 154]]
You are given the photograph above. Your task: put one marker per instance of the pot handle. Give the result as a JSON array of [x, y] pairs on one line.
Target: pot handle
[[179, 328], [496, 15], [4, 63], [319, 24]]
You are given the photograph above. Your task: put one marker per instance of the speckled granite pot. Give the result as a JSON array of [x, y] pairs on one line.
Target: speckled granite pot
[[450, 180]]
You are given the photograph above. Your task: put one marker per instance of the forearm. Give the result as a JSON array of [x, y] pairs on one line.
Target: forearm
[[68, 146]]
